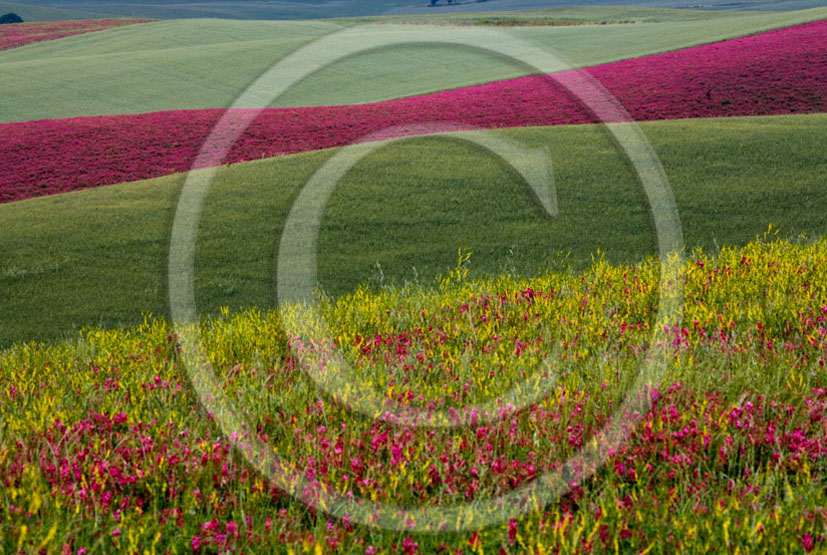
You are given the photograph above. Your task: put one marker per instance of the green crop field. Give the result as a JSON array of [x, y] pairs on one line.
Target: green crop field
[[207, 63], [99, 256]]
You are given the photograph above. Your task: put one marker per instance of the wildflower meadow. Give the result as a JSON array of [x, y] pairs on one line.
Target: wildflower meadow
[[104, 445], [270, 365]]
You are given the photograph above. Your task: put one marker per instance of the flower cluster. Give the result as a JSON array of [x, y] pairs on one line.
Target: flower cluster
[[103, 446], [778, 72], [21, 34]]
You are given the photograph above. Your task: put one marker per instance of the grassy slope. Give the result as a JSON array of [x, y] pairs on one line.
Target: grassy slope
[[98, 256], [749, 415], [206, 63], [40, 13]]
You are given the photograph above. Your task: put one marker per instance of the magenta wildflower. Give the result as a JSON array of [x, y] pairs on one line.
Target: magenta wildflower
[[778, 72], [21, 34]]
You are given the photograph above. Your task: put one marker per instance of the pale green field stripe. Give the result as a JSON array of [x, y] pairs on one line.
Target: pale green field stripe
[[195, 64]]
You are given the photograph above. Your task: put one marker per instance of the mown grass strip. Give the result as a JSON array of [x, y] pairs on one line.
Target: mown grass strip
[[99, 256]]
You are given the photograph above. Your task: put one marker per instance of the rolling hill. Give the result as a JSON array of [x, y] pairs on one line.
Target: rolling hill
[[773, 73], [508, 356], [22, 34], [206, 63], [99, 256]]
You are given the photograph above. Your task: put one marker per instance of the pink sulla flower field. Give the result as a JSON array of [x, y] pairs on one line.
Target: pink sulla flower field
[[106, 448], [20, 34], [777, 72]]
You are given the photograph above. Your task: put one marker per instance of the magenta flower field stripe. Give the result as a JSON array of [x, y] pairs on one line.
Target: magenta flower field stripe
[[21, 34], [773, 73]]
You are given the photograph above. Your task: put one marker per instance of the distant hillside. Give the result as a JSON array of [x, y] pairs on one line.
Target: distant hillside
[[30, 12], [311, 9], [206, 63]]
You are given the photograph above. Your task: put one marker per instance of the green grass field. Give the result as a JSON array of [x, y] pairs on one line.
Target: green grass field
[[99, 256], [749, 415], [207, 63], [120, 411]]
